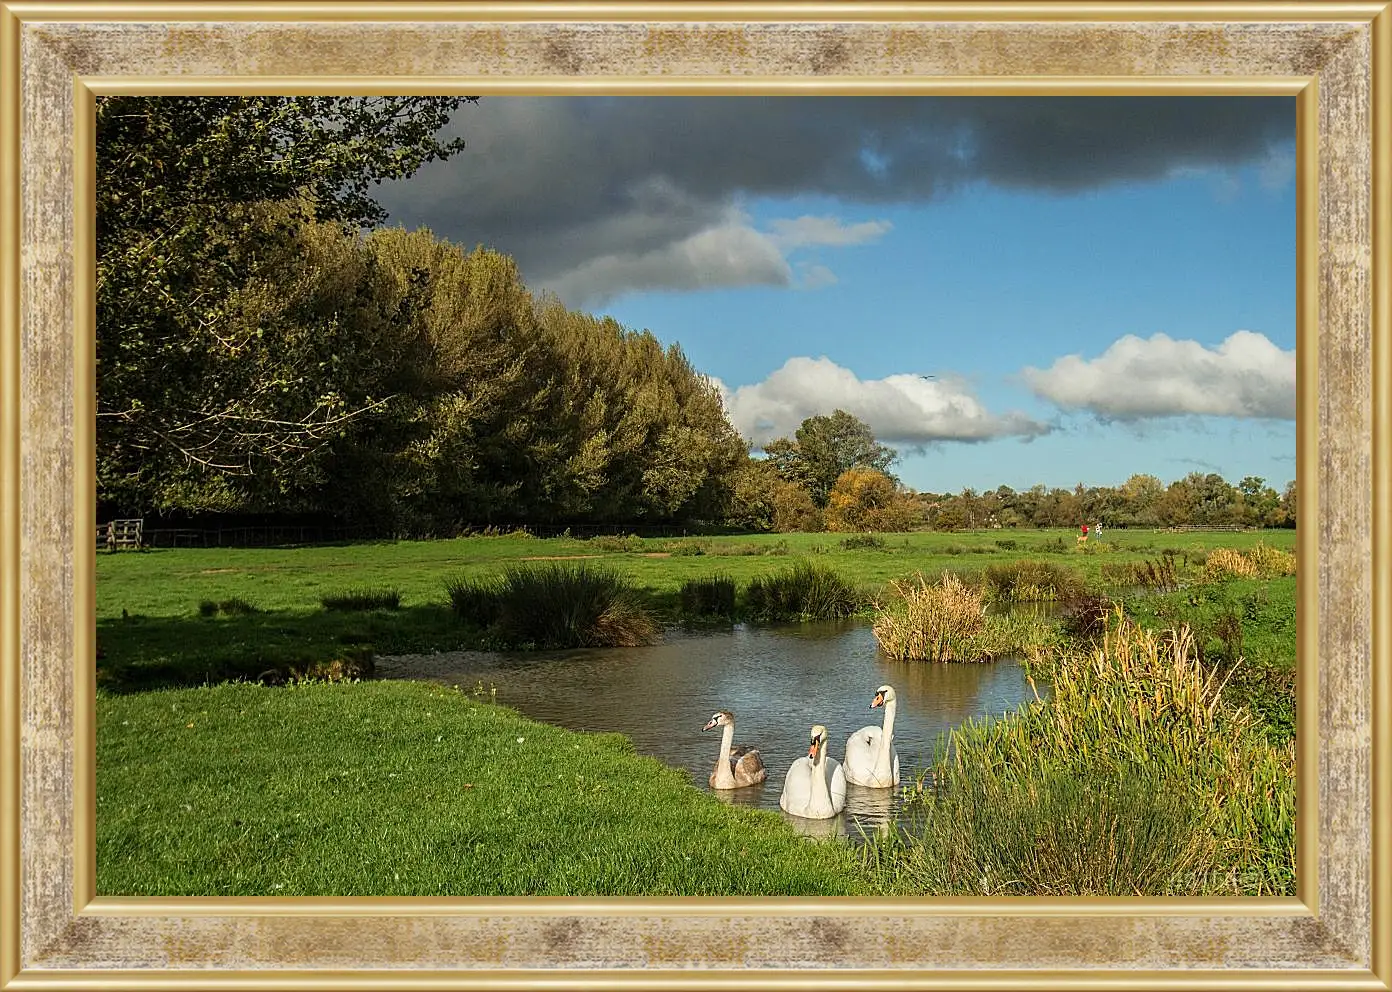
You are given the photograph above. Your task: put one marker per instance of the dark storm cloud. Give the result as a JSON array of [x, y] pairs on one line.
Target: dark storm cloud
[[594, 196]]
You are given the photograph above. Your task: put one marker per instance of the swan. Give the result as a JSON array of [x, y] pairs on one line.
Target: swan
[[870, 756], [737, 766], [815, 786]]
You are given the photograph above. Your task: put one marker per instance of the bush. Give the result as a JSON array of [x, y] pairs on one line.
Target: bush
[[804, 591], [1271, 563], [363, 599], [713, 596], [1085, 617], [617, 544], [1159, 575], [235, 607], [207, 608], [859, 542]]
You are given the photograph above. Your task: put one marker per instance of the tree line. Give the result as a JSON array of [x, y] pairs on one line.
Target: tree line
[[265, 347]]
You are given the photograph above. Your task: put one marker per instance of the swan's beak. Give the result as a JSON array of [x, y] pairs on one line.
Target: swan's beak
[[878, 700], [709, 724], [812, 750]]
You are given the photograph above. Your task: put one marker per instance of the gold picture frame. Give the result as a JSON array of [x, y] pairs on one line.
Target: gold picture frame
[[1334, 58]]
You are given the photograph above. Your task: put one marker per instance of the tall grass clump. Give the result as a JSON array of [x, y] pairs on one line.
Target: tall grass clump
[[863, 542], [1228, 563], [1057, 833], [1031, 580], [1271, 563], [1138, 705], [475, 600], [571, 605], [363, 599], [1159, 575], [802, 591], [713, 596], [227, 607], [947, 621]]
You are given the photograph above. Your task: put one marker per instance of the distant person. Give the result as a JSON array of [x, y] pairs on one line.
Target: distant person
[[1097, 530], [1082, 538]]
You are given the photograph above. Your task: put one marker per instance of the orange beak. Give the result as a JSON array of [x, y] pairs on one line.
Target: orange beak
[[709, 724], [812, 750], [878, 700]]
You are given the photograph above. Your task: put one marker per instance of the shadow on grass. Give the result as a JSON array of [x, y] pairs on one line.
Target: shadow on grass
[[139, 652]]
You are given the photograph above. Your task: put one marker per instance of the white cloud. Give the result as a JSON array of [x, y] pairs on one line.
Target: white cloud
[[903, 409], [1135, 378], [730, 253], [808, 231]]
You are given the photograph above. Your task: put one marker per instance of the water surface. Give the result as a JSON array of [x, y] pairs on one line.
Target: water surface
[[778, 681]]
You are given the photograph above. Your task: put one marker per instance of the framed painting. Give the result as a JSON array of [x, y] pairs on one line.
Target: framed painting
[[1326, 67]]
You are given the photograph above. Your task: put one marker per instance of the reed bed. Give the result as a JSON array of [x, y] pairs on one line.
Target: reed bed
[[947, 620], [1031, 581], [1138, 706], [713, 596]]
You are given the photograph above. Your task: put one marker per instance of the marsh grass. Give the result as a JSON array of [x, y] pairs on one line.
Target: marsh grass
[[1141, 699], [234, 607], [802, 591], [713, 596], [1031, 580], [947, 620], [864, 542], [362, 600], [1227, 563], [1062, 832], [1156, 575], [475, 600], [571, 605]]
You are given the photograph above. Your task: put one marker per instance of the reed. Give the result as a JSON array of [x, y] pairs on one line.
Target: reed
[[802, 591], [947, 621], [1227, 563], [362, 600], [710, 596], [571, 605]]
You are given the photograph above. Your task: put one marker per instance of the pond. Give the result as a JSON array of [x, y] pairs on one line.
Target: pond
[[778, 681]]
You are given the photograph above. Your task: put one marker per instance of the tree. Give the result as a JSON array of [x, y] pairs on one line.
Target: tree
[[197, 199], [823, 448]]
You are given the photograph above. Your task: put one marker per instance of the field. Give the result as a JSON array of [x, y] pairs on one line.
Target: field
[[407, 788]]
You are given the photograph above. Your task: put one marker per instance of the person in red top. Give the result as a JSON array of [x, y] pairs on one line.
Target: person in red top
[[1082, 538]]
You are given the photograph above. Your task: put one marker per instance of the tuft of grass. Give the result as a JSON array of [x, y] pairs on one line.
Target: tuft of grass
[[1159, 575], [1062, 832], [236, 606], [803, 591], [1085, 617], [362, 600], [947, 621], [474, 600], [1031, 580], [1228, 563], [571, 605], [863, 542], [711, 596], [614, 543], [207, 608]]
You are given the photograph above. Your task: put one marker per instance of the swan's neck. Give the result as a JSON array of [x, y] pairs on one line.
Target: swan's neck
[[723, 773], [821, 788], [886, 738]]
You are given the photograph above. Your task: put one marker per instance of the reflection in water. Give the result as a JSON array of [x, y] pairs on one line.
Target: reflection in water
[[777, 681]]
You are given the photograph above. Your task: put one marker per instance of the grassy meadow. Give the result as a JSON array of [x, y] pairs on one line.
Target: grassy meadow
[[348, 787]]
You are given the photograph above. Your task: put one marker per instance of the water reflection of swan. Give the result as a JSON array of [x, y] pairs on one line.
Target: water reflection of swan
[[825, 828], [815, 787], [736, 767], [870, 756]]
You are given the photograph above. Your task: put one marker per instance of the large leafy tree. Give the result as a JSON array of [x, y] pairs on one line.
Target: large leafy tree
[[823, 448], [197, 201]]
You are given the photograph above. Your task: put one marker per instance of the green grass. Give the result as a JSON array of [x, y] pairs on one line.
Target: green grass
[[363, 599], [151, 633], [407, 788]]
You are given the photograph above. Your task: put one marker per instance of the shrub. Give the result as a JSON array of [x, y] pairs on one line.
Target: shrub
[[363, 599], [713, 596], [803, 591], [571, 605], [857, 542], [207, 608], [1008, 545], [617, 544], [1085, 617], [689, 548]]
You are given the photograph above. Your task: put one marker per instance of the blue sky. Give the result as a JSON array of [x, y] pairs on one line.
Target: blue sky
[[876, 250]]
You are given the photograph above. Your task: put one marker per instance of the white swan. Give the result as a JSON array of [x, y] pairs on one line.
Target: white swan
[[736, 767], [815, 787], [870, 756]]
